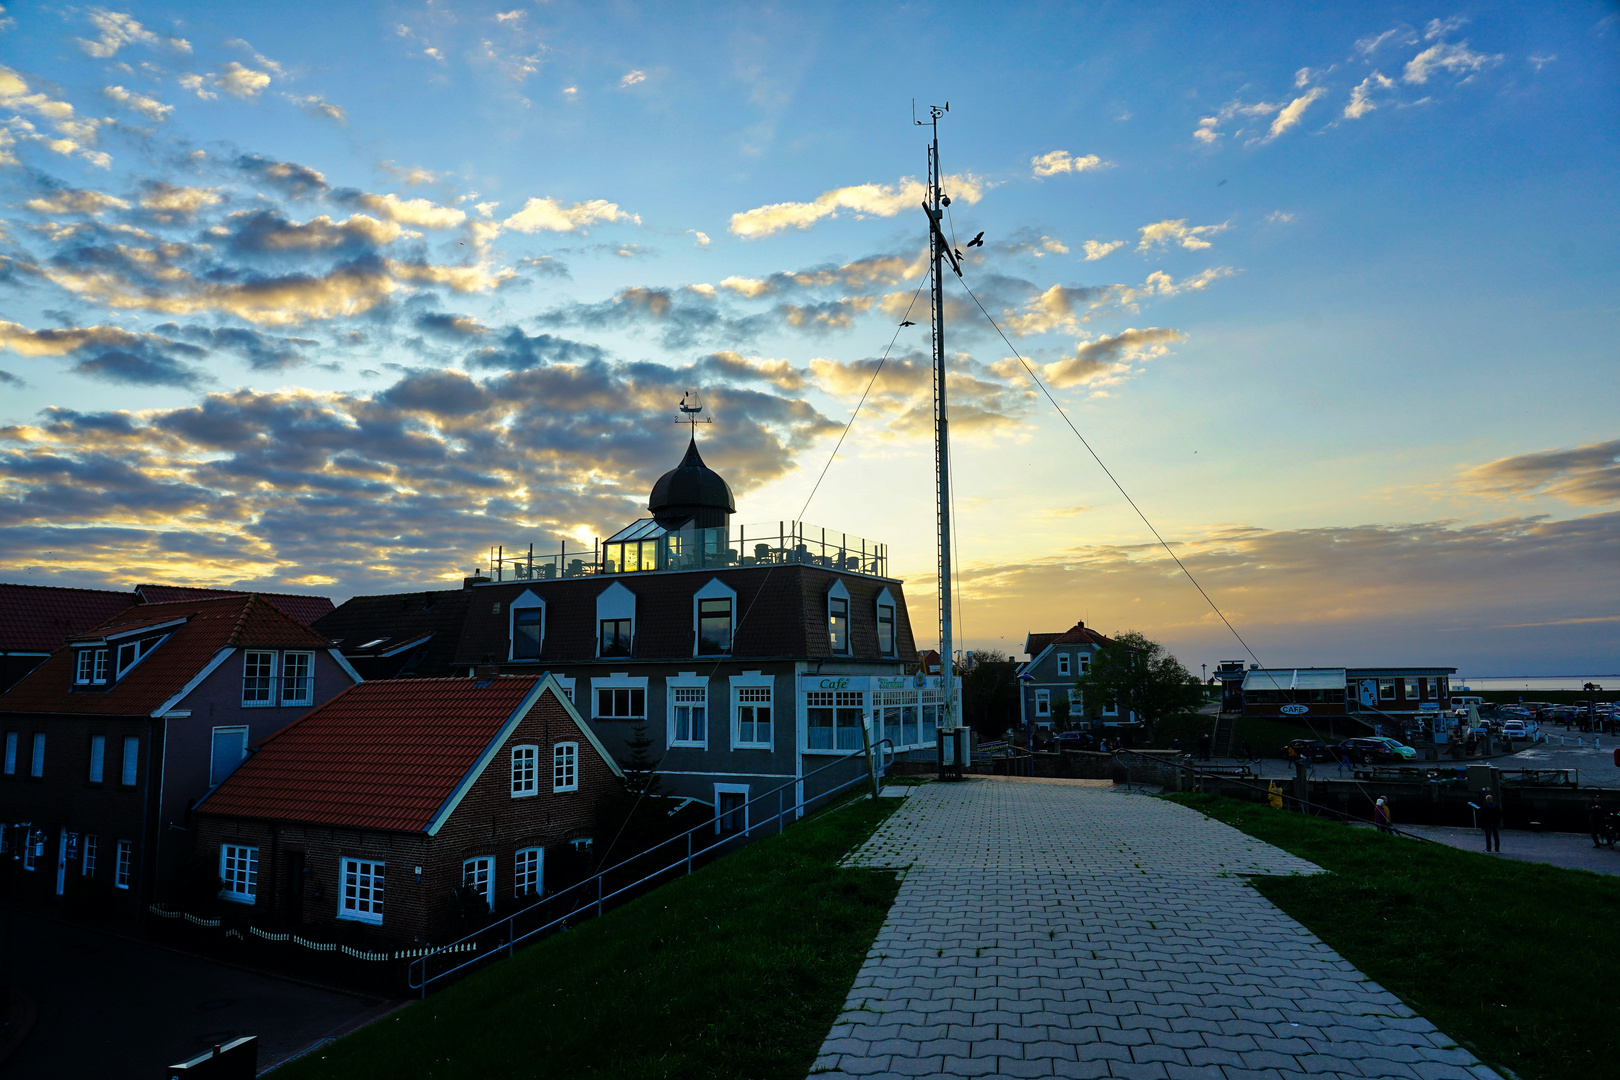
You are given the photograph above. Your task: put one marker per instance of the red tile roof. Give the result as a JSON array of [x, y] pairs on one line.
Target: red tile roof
[[210, 625], [39, 618], [1078, 634], [298, 607], [380, 755]]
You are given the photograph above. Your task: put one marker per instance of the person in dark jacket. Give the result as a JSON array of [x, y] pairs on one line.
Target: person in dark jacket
[[1490, 820], [1596, 819]]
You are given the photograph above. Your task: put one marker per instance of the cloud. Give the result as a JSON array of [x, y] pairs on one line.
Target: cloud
[[1440, 27], [149, 107], [75, 201], [1099, 249], [1582, 476], [1165, 232], [682, 318], [239, 81], [293, 180], [263, 231], [74, 134], [21, 340], [8, 379], [879, 200], [1279, 217], [701, 238], [1542, 61], [1290, 114], [138, 367], [1361, 102], [263, 352], [729, 366], [517, 351], [1108, 358], [1455, 59], [169, 203], [195, 84], [632, 78], [315, 105], [549, 215], [1060, 161], [117, 30], [1208, 129], [1371, 44], [902, 395], [424, 213]]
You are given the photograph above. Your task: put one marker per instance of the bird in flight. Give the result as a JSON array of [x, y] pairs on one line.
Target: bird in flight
[[977, 241], [908, 322]]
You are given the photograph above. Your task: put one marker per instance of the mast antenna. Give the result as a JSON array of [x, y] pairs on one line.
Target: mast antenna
[[938, 252]]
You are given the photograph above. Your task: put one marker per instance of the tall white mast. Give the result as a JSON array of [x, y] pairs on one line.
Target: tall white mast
[[939, 251]]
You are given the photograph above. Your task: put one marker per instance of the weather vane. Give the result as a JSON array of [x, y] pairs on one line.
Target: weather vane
[[692, 406]]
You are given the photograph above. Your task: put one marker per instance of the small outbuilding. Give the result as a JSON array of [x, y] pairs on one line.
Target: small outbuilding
[[386, 808]]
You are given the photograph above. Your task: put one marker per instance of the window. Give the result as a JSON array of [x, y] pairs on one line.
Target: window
[[258, 674], [1386, 690], [126, 851], [33, 847], [1043, 703], [1411, 689], [36, 768], [885, 629], [132, 757], [100, 675], [528, 877], [526, 625], [714, 626], [753, 716], [477, 875], [88, 867], [1085, 663], [131, 651], [615, 637], [361, 898], [621, 702], [834, 719], [298, 678], [565, 767], [838, 623], [730, 808], [230, 747], [525, 771], [98, 757], [11, 753], [87, 666], [239, 870], [688, 715], [1063, 663]]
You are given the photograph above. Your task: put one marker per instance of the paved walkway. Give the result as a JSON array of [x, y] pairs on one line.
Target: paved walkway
[[1051, 929], [1571, 850]]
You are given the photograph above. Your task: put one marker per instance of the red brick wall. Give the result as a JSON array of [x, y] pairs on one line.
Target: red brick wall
[[487, 821]]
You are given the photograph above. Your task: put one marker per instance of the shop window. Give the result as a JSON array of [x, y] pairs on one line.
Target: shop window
[[834, 719]]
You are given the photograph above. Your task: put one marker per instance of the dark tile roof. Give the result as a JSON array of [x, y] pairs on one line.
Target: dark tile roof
[[407, 635], [781, 612], [296, 606], [380, 755], [210, 625], [40, 618], [1078, 634]]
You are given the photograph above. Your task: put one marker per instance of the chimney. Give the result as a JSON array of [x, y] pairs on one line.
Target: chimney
[[478, 578]]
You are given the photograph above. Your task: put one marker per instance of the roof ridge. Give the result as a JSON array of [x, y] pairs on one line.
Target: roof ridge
[[241, 619]]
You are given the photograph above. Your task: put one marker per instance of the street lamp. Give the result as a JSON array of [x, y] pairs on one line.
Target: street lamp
[[1023, 716]]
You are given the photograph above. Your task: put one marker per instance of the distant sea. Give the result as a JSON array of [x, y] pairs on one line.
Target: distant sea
[[1532, 683]]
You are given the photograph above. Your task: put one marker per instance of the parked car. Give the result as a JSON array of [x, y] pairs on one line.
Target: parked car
[[1515, 729], [1311, 749], [1400, 750], [1365, 751]]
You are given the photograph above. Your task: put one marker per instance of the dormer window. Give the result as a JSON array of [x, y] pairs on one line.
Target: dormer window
[[714, 626], [885, 623], [527, 626], [87, 667], [838, 623], [131, 652], [615, 637]]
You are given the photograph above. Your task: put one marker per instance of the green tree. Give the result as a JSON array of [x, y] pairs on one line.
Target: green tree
[[640, 770], [1139, 675], [989, 692]]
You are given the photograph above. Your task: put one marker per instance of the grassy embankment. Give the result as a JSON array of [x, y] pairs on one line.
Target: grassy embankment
[[738, 970], [1514, 959]]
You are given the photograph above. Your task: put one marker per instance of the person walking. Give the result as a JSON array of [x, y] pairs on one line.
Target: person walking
[[1381, 816], [1344, 763], [1595, 821], [1490, 820], [1203, 747]]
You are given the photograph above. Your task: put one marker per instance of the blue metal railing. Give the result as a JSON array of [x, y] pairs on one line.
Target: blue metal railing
[[419, 978]]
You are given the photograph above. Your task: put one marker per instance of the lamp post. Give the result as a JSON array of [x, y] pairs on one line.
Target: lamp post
[[1023, 716]]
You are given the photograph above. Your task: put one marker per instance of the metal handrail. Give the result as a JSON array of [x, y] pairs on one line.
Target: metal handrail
[[418, 967]]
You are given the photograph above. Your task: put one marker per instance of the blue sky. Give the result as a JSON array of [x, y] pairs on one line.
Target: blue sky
[[336, 297]]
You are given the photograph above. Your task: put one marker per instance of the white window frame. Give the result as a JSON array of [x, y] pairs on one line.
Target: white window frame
[[11, 753], [87, 860], [1043, 703], [752, 680], [618, 680], [885, 599], [565, 767], [363, 905], [130, 767], [525, 770], [142, 647], [615, 602], [687, 680], [308, 697], [36, 761], [480, 867], [527, 602], [714, 590], [269, 701], [520, 871], [86, 669], [214, 737], [98, 758], [238, 867], [1085, 663], [838, 592], [121, 868], [100, 676], [731, 789], [1063, 664], [567, 684]]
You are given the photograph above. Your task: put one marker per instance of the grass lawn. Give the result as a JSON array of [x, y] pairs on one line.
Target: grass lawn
[[1516, 960], [737, 971]]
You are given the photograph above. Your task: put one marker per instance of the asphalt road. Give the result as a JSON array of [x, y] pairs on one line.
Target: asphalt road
[[113, 1007]]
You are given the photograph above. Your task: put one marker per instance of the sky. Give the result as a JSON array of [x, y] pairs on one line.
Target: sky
[[336, 298]]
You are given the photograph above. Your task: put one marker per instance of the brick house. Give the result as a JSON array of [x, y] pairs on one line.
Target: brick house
[[1055, 662], [367, 814], [110, 741]]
